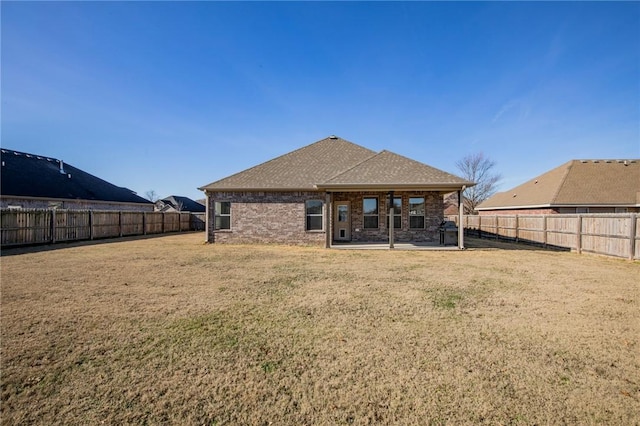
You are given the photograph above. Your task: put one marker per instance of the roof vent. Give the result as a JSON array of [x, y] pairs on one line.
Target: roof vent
[[62, 168], [333, 137]]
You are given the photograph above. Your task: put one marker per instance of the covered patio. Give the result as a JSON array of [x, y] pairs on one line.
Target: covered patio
[[417, 246]]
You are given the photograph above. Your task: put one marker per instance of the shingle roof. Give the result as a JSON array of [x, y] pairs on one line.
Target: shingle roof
[[299, 169], [576, 183], [186, 204], [333, 163], [387, 170], [29, 175]]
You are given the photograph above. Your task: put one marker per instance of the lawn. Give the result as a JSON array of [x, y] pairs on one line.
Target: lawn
[[169, 330]]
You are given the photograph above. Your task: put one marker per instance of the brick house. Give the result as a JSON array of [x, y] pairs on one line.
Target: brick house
[[577, 186], [35, 181], [331, 191]]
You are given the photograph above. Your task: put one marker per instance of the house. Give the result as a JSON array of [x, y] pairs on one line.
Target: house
[[577, 186], [330, 191], [176, 203], [35, 181]]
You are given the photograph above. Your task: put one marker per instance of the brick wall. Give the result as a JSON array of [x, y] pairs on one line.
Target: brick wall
[[280, 217], [266, 217], [520, 211], [34, 203], [434, 207]]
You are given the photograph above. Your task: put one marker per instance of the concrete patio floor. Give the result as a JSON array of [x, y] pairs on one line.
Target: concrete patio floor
[[397, 246]]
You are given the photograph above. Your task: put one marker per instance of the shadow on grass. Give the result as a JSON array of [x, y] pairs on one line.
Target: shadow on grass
[[15, 250], [491, 243]]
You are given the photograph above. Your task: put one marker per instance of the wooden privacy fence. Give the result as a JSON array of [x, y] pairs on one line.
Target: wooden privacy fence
[[608, 234], [39, 226]]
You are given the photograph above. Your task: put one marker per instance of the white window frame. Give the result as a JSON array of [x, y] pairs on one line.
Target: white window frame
[[307, 215], [218, 214]]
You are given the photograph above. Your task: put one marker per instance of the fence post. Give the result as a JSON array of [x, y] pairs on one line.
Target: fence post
[[144, 223], [544, 231], [632, 236], [53, 226], [579, 235], [120, 221], [517, 228], [91, 224], [480, 226], [497, 228], [162, 227]]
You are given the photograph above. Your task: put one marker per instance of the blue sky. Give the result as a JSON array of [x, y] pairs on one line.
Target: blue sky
[[171, 96]]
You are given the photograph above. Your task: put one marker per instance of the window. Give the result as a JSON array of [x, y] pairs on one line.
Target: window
[[370, 211], [416, 212], [397, 213], [223, 215], [314, 215]]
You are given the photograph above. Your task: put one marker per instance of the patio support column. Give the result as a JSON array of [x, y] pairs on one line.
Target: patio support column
[[390, 219], [327, 219], [461, 218]]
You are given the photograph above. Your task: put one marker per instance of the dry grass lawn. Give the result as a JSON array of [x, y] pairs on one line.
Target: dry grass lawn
[[169, 330]]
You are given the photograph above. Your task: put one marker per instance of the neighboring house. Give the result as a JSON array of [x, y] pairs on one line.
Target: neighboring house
[[451, 204], [176, 203], [330, 191], [578, 186], [36, 181]]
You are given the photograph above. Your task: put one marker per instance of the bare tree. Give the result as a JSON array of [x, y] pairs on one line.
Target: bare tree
[[479, 169], [151, 196]]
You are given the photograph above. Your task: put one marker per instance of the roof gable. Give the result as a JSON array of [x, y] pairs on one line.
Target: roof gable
[[390, 170], [299, 169], [335, 163], [29, 175], [575, 183]]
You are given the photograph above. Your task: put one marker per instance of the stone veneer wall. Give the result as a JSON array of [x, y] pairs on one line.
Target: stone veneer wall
[[434, 209], [266, 217]]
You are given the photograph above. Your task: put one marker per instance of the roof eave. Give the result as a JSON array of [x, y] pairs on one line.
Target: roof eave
[[351, 187], [548, 206], [31, 197], [258, 189]]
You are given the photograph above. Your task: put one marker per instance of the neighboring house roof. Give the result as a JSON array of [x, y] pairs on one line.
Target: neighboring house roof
[[30, 175], [335, 163], [184, 204], [575, 183]]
